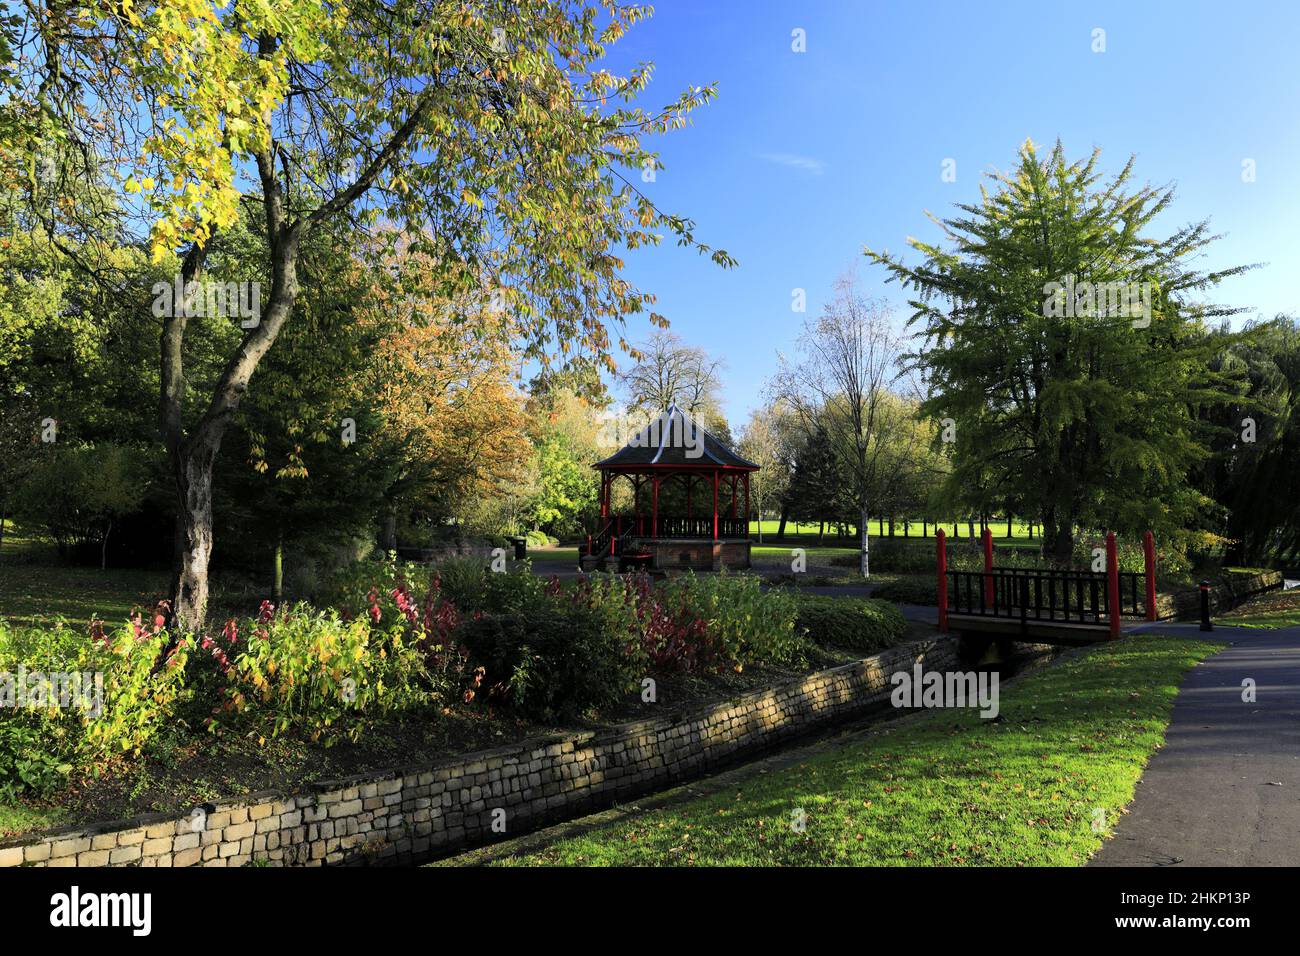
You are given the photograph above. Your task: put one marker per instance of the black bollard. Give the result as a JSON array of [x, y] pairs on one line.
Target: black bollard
[[1205, 607]]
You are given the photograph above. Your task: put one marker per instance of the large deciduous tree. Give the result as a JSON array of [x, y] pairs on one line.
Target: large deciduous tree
[[487, 130], [1069, 348], [765, 442], [840, 388], [668, 372]]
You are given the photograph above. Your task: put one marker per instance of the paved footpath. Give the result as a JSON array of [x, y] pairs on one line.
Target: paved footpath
[[1225, 788]]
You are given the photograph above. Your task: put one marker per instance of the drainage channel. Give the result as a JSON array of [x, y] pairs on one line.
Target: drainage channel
[[1009, 660]]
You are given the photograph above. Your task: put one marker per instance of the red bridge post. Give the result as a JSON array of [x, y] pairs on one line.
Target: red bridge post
[[942, 566], [1149, 552], [988, 567], [1112, 584]]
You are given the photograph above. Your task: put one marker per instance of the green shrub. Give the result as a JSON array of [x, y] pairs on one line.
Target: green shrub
[[909, 589], [144, 684], [39, 747], [559, 655], [461, 580], [129, 685], [862, 624], [752, 625], [540, 539], [311, 671], [347, 590]]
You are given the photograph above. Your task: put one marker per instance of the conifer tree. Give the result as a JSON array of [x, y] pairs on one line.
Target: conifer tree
[[1071, 348]]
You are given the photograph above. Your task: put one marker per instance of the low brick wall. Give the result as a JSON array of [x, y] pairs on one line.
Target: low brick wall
[[697, 554], [408, 815]]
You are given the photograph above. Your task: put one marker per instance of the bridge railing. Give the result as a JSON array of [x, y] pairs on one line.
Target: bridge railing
[[1068, 597], [1047, 595]]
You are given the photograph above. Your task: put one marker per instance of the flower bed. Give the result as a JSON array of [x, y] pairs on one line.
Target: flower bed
[[459, 661]]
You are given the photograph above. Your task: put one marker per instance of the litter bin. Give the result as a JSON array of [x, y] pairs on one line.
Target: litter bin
[[521, 547]]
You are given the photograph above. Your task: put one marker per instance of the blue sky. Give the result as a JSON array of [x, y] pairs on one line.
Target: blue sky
[[805, 158]]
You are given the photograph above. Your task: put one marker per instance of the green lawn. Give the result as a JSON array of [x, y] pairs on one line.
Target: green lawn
[[21, 818], [553, 556], [1274, 609], [945, 788], [29, 592]]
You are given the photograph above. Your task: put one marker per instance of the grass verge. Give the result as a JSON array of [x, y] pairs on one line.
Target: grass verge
[[940, 789], [1269, 610]]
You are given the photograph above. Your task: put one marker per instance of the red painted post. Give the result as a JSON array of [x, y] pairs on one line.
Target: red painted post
[[1149, 552], [988, 567], [1112, 584], [654, 514], [715, 506], [941, 563]]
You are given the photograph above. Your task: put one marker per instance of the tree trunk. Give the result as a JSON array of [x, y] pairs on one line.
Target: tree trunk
[[925, 528], [193, 536], [390, 531], [821, 532], [1058, 536], [2, 526], [864, 527], [1063, 544], [1008, 524], [278, 585], [193, 457], [785, 514], [103, 548]]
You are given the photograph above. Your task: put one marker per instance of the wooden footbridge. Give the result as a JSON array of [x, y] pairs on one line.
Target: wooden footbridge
[[1048, 606]]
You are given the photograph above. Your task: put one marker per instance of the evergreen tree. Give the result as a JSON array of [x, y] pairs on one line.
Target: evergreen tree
[[1070, 349], [814, 490]]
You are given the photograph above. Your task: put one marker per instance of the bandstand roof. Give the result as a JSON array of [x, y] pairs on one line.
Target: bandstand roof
[[674, 440]]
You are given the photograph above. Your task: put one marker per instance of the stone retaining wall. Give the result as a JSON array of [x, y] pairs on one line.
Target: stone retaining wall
[[408, 815], [1233, 590]]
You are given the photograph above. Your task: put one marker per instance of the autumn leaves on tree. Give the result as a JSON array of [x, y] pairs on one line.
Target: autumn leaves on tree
[[489, 135]]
